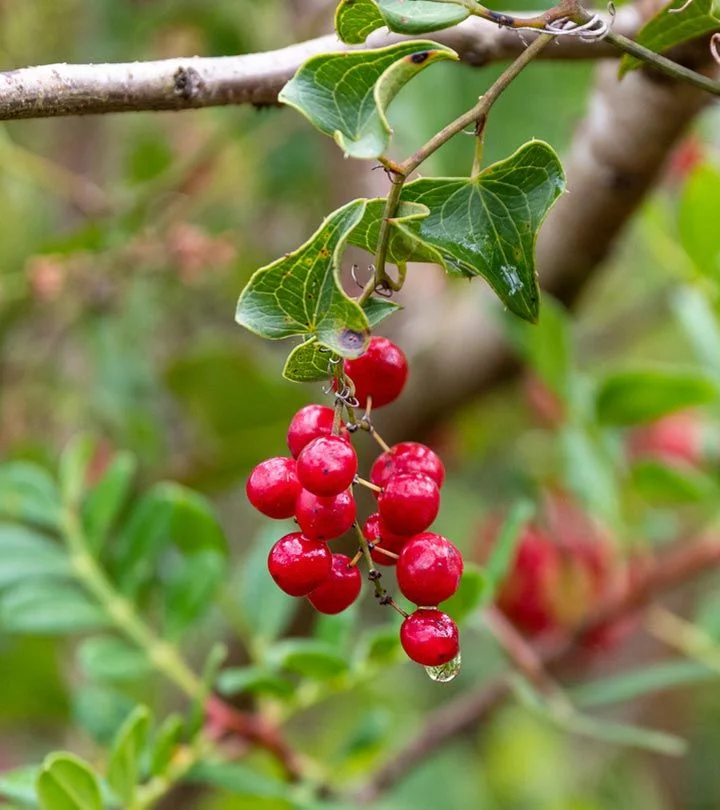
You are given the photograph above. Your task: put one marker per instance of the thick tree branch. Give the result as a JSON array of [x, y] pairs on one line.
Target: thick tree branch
[[194, 82], [676, 568]]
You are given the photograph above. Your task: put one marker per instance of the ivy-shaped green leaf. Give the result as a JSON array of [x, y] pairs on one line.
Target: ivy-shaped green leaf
[[355, 20], [345, 95], [670, 27], [301, 293], [483, 226]]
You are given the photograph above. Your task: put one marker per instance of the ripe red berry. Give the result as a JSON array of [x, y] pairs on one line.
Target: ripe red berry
[[430, 637], [324, 518], [407, 457], [273, 487], [340, 589], [327, 465], [309, 423], [409, 503], [376, 532], [429, 569], [380, 373], [299, 565]]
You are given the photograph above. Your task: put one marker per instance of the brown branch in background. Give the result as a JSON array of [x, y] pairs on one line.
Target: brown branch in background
[[675, 568], [224, 718], [194, 82]]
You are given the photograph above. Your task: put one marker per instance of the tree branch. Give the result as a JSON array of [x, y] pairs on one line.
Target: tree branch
[[675, 568], [190, 83]]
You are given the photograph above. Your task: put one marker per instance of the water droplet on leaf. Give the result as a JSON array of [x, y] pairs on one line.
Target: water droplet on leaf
[[445, 672]]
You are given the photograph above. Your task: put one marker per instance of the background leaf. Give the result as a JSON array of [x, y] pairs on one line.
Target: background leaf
[[49, 608], [355, 20], [65, 782], [123, 771], [28, 494], [111, 660], [106, 499], [26, 553]]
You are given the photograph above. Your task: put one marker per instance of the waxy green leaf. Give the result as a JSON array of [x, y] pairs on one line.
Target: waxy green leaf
[[345, 95], [301, 293], [355, 20], [123, 770], [65, 782], [484, 226], [671, 26]]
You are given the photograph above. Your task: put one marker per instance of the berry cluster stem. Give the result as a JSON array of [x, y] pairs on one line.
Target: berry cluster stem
[[374, 575]]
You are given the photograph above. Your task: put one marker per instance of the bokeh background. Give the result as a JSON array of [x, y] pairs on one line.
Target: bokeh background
[[124, 243]]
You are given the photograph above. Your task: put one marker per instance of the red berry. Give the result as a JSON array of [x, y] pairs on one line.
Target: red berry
[[430, 637], [299, 565], [676, 437], [324, 518], [327, 465], [309, 423], [409, 503], [429, 569], [340, 589], [380, 373], [273, 487], [407, 457], [375, 532]]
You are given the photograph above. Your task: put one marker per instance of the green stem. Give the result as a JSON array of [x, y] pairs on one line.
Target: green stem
[[164, 657], [151, 792], [656, 60]]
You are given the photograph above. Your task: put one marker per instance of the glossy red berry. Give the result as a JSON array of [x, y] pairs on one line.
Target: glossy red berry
[[324, 518], [430, 637], [407, 457], [340, 589], [299, 565], [376, 532], [380, 373], [409, 503], [273, 487], [429, 569], [309, 423], [327, 465]]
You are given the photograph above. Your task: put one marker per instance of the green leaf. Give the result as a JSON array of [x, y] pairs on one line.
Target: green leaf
[[123, 772], [667, 29], [308, 362], [65, 782], [376, 309], [266, 610], [663, 484], [355, 20], [74, 463], [167, 739], [100, 711], [336, 630], [634, 397], [49, 608], [111, 660], [308, 657], [107, 498], [28, 494], [301, 293], [640, 682], [19, 785], [380, 646], [190, 589], [505, 546], [476, 588], [345, 95], [696, 224], [254, 681], [25, 553], [697, 318], [548, 346], [241, 780], [589, 473], [483, 226]]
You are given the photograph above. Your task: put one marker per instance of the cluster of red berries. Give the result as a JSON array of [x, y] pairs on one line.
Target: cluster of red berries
[[315, 487]]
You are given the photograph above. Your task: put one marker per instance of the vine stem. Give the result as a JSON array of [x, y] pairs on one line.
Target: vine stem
[[400, 172], [165, 657]]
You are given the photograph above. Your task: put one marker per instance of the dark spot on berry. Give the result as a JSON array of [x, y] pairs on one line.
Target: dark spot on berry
[[420, 57]]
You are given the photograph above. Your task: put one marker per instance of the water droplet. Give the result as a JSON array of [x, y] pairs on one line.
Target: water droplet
[[445, 672]]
